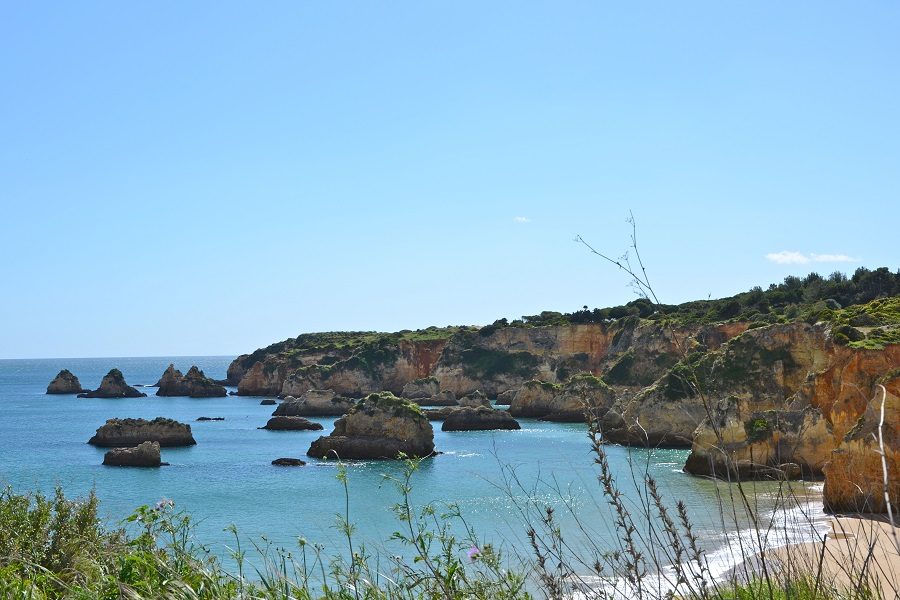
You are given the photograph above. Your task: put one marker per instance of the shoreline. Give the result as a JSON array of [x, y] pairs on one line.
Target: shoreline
[[855, 544]]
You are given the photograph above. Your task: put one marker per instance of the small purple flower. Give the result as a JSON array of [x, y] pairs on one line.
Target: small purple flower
[[473, 552], [164, 503]]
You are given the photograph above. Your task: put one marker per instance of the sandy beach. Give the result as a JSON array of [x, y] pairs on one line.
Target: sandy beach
[[855, 548]]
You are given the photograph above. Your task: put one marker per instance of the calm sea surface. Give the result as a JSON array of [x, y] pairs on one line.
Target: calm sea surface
[[227, 477]]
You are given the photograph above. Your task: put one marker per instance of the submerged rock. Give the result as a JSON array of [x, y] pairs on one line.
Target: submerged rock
[[195, 384], [315, 403], [268, 402], [478, 419], [113, 386], [291, 424], [117, 433], [65, 383], [143, 455], [288, 462], [379, 426]]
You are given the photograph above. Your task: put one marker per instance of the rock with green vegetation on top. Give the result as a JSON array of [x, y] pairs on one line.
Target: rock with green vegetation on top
[[113, 386], [65, 383], [581, 396], [314, 403], [380, 425]]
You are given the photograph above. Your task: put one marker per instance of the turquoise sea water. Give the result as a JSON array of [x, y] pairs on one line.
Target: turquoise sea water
[[227, 477]]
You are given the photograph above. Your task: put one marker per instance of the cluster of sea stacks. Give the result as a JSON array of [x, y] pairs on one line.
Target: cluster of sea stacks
[[137, 442], [751, 400], [788, 400], [172, 383]]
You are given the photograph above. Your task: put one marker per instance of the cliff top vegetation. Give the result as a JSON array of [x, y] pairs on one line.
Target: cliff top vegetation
[[837, 298]]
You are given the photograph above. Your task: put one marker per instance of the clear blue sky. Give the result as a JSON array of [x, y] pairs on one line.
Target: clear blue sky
[[207, 178]]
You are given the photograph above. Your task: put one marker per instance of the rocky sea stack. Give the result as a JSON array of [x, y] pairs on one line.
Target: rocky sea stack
[[291, 424], [481, 418], [113, 386], [143, 455], [314, 403], [569, 402], [379, 426], [195, 384], [117, 433], [65, 383], [421, 389]]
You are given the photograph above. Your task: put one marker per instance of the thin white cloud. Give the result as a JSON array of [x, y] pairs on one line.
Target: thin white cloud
[[521, 219], [832, 258], [786, 257]]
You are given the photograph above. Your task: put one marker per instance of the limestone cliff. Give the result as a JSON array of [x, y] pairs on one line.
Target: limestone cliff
[[763, 367], [788, 398]]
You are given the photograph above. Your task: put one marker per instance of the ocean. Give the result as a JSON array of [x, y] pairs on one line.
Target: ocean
[[497, 479]]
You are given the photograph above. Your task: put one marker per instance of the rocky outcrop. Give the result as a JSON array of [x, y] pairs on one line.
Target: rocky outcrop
[[445, 398], [422, 388], [506, 398], [315, 403], [439, 414], [117, 433], [474, 400], [788, 398], [379, 426], [478, 419], [145, 454], [236, 370], [291, 424], [740, 443], [113, 386], [268, 402], [65, 383], [210, 418], [854, 474], [288, 462], [763, 366], [582, 395], [195, 384]]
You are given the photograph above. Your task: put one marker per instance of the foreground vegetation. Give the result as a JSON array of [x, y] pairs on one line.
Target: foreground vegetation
[[55, 547]]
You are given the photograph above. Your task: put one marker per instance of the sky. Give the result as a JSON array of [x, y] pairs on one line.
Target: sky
[[205, 178]]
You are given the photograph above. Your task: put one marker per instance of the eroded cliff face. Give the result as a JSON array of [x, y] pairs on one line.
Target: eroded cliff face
[[854, 475], [387, 368], [762, 368], [627, 353], [787, 400]]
